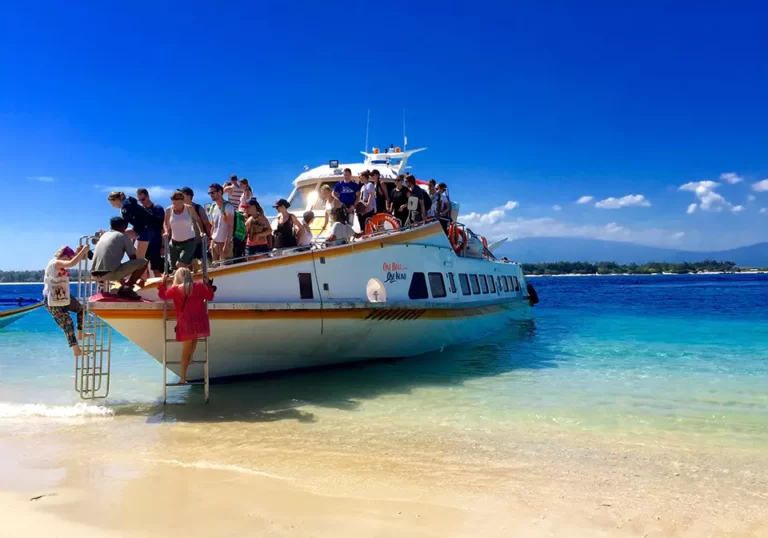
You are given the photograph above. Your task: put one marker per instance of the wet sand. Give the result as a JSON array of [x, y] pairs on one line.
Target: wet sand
[[131, 476]]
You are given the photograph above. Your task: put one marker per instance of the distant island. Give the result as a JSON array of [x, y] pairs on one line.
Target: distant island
[[539, 269], [30, 276], [651, 268]]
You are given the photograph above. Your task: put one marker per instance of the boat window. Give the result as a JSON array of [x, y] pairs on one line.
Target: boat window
[[492, 284], [437, 285], [304, 197], [305, 286], [418, 289], [483, 284], [517, 283], [475, 285], [451, 283], [511, 283], [504, 283], [464, 282]]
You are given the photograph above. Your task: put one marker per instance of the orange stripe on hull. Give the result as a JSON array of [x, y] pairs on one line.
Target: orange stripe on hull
[[368, 314]]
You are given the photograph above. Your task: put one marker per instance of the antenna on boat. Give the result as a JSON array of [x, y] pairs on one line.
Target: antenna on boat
[[405, 138], [367, 126]]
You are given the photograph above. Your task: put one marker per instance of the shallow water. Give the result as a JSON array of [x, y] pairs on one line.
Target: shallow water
[[643, 358]]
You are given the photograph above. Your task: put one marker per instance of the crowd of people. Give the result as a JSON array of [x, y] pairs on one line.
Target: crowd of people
[[236, 229]]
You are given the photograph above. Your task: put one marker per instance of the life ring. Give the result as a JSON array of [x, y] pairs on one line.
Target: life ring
[[454, 234], [379, 220]]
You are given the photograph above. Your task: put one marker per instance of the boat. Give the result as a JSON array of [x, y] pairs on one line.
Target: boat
[[395, 292], [9, 316]]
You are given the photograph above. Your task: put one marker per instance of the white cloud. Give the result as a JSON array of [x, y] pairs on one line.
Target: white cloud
[[585, 199], [556, 208], [44, 179], [763, 210], [709, 200], [760, 186], [494, 216], [630, 200], [751, 198], [154, 192], [691, 209], [551, 227], [731, 177]]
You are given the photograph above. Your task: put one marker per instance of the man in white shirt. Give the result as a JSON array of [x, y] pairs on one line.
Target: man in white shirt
[[367, 199], [222, 216]]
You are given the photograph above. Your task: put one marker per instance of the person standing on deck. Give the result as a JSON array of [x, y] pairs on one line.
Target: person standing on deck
[[418, 213], [189, 301], [347, 192], [57, 294], [234, 191], [189, 195], [247, 195], [155, 253], [443, 204], [183, 228], [368, 199], [288, 226], [138, 217], [222, 216], [326, 203], [398, 200], [382, 193], [258, 230]]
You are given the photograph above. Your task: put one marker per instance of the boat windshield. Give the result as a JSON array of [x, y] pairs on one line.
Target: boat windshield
[[304, 197]]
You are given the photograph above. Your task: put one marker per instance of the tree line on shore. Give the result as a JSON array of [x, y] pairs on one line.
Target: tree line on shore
[[553, 268], [31, 276], [613, 268]]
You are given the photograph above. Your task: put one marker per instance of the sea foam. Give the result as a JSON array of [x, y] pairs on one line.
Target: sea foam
[[78, 410]]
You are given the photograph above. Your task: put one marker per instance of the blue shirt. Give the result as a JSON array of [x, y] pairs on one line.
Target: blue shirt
[[347, 191]]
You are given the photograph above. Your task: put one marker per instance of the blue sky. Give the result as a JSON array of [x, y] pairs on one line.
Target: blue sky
[[525, 109]]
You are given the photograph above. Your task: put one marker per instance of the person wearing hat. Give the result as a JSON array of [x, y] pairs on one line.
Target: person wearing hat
[[57, 294], [108, 259], [288, 226], [258, 230]]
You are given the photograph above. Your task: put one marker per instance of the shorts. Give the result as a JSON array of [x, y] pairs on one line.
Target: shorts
[[154, 255], [253, 250], [147, 234], [217, 249], [182, 251], [122, 271]]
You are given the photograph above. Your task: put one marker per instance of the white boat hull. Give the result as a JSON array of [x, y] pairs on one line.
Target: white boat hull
[[260, 322]]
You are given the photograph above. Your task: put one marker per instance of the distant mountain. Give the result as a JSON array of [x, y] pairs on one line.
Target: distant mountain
[[555, 249]]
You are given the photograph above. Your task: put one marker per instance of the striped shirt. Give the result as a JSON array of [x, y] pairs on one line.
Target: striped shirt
[[235, 195]]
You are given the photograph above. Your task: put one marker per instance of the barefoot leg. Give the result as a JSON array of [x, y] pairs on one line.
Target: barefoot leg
[[187, 351]]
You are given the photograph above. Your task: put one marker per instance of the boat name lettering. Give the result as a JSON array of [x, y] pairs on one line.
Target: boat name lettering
[[393, 267], [395, 272]]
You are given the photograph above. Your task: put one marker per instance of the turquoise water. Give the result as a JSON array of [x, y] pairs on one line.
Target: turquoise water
[[666, 356]]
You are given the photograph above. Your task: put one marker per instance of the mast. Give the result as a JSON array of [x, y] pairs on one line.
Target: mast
[[367, 126]]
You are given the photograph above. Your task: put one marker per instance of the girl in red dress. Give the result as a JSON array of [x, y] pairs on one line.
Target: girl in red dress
[[190, 301]]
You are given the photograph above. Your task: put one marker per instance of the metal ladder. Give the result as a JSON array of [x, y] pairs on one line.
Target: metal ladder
[[166, 340], [92, 368]]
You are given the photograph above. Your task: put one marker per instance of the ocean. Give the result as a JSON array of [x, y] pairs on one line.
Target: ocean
[[646, 357]]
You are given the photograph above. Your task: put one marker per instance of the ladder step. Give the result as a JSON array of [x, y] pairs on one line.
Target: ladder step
[[191, 363]]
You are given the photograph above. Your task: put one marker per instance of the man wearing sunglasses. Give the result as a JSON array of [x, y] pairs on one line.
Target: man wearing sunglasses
[[222, 217]]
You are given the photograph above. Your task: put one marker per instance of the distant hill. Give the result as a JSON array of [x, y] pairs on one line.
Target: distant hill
[[555, 249]]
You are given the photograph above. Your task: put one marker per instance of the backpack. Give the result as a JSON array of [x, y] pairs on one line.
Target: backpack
[[238, 230]]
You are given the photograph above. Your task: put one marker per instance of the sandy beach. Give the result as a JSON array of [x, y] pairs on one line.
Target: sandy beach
[[278, 478]]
